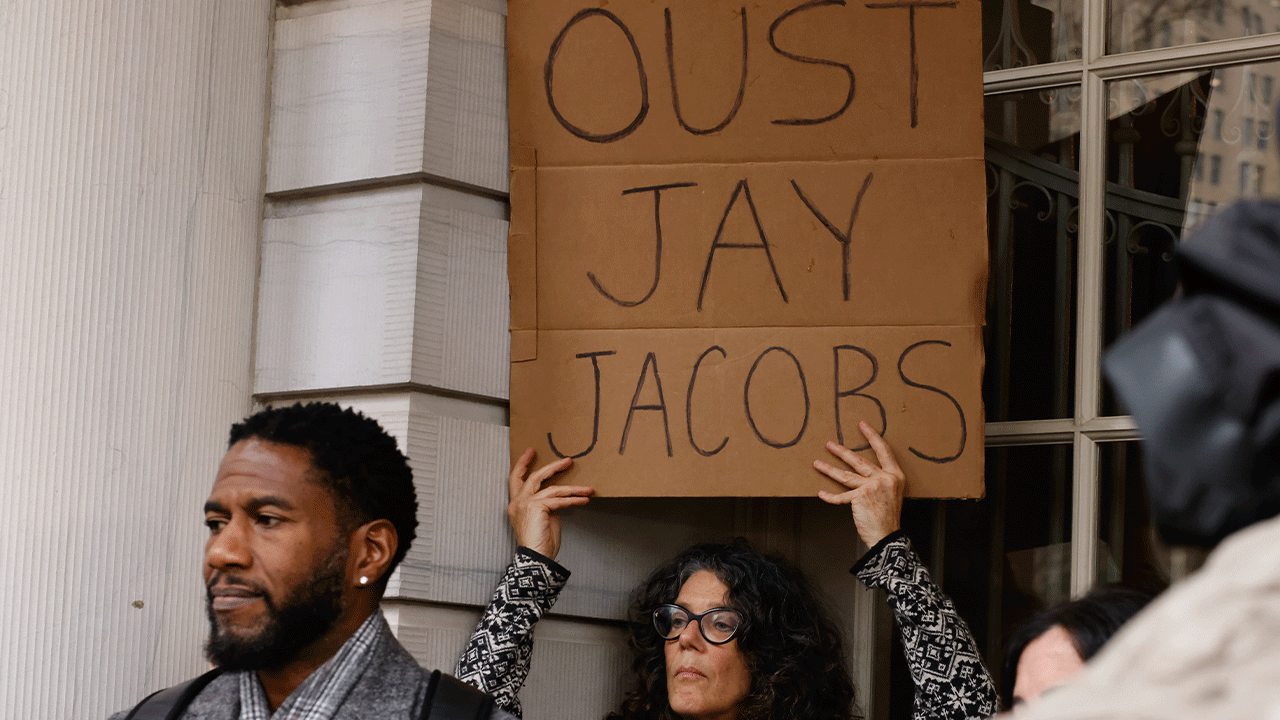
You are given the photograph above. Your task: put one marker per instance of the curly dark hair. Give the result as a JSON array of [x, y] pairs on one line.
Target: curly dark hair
[[355, 459], [793, 650]]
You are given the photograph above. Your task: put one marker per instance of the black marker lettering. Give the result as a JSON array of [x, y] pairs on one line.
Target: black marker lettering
[[548, 71], [911, 6], [688, 403], [595, 423], [649, 359], [845, 237], [657, 252], [746, 399], [675, 93], [848, 100], [856, 392], [964, 430], [745, 191]]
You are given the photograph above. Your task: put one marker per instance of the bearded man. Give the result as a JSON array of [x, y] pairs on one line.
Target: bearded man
[[312, 509]]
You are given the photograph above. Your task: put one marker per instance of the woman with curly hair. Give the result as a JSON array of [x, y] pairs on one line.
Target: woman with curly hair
[[687, 613], [722, 632]]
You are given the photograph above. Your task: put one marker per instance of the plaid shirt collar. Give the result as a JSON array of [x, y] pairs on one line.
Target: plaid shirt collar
[[323, 692]]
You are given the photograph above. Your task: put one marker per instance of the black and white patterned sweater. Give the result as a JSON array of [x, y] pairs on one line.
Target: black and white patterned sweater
[[498, 654], [951, 681]]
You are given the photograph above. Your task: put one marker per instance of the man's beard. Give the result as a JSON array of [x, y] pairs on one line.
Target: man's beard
[[300, 618]]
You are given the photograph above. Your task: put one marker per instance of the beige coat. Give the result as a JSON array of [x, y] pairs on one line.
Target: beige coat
[[1208, 648]]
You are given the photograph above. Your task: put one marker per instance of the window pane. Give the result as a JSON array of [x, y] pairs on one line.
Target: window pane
[[1008, 555], [1179, 147], [1033, 193], [1143, 25], [1017, 33], [1129, 550]]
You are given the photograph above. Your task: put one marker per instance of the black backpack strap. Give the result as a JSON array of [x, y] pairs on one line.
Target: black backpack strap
[[448, 698], [170, 703]]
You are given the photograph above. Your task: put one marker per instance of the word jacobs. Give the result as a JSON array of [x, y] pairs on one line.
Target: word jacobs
[[842, 391]]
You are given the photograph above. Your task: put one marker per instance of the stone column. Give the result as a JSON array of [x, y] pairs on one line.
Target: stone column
[[131, 141]]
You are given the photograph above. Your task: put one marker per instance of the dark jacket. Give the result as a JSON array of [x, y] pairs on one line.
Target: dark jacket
[[393, 687]]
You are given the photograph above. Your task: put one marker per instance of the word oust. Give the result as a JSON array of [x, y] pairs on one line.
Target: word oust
[[842, 390], [848, 91]]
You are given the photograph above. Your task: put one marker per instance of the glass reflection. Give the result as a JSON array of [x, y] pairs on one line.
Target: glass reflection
[[1129, 549], [1147, 24], [1033, 190], [1179, 147], [1017, 33]]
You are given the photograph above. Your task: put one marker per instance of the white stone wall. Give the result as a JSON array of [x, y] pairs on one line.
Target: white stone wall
[[130, 204], [384, 287]]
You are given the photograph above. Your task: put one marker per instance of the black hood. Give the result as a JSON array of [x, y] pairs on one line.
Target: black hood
[[1201, 377]]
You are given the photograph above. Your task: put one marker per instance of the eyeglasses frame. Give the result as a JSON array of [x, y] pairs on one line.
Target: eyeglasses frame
[[698, 618]]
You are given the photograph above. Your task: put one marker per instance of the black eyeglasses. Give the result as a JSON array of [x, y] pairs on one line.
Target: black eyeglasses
[[717, 625]]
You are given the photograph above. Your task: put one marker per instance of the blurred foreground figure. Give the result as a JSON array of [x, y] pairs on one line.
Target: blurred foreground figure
[[1202, 379]]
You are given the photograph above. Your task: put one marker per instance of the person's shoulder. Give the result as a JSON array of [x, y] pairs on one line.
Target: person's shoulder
[[216, 701], [396, 661], [393, 684], [219, 700]]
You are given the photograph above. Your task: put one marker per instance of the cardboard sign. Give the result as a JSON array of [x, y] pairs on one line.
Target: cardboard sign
[[737, 231]]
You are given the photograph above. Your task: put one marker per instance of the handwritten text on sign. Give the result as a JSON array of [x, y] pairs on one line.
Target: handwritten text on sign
[[719, 265]]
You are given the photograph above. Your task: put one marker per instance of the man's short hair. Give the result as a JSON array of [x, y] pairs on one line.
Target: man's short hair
[[354, 458]]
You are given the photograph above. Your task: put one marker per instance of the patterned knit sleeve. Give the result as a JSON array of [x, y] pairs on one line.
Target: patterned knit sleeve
[[951, 681], [497, 656]]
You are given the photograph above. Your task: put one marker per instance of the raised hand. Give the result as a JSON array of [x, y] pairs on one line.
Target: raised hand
[[532, 509], [875, 490]]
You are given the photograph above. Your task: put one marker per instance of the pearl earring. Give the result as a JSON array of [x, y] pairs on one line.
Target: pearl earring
[[364, 580]]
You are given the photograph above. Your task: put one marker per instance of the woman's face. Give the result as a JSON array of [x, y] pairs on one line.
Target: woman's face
[[704, 681], [1047, 662]]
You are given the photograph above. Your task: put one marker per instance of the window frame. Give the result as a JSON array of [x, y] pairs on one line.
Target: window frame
[[1088, 428]]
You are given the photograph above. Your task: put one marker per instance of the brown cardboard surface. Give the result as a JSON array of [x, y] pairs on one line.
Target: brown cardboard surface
[[600, 89], [598, 229], [794, 187], [747, 424]]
